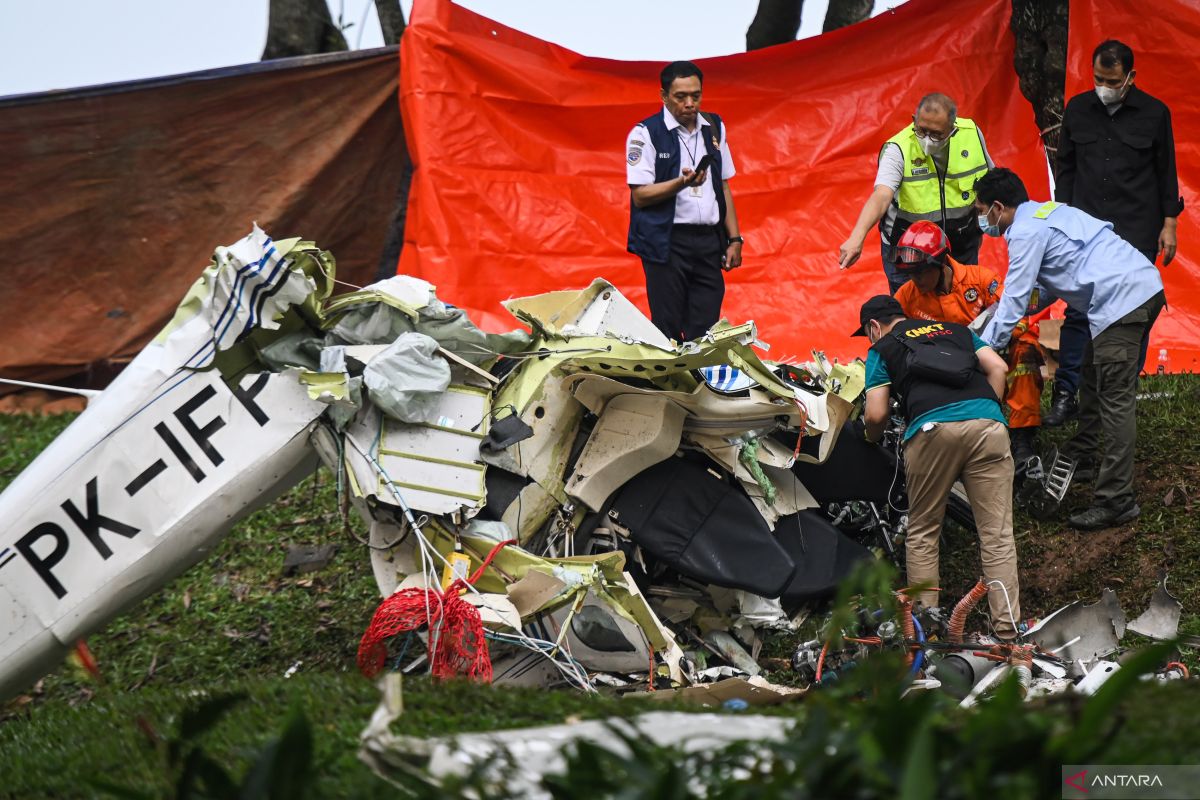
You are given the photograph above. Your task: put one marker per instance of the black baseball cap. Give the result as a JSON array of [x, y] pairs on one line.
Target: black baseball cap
[[881, 306]]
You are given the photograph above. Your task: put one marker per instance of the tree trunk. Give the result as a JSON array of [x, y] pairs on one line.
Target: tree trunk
[[391, 20], [846, 12], [394, 243], [1040, 59], [301, 28], [775, 22]]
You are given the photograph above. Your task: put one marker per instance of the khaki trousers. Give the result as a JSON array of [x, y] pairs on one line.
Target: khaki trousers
[[977, 453]]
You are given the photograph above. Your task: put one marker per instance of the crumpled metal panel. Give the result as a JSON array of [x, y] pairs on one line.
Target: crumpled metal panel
[[1082, 633], [633, 433], [1160, 620], [594, 311]]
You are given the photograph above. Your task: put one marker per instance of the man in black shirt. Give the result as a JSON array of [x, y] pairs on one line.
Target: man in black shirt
[[1116, 161], [949, 383]]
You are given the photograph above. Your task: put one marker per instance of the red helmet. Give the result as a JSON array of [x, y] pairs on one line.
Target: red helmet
[[922, 245]]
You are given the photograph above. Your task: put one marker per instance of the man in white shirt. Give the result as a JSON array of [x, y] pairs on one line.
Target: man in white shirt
[[682, 222]]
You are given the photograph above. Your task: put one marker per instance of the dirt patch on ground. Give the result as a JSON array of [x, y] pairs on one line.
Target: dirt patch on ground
[[1069, 557], [1059, 564]]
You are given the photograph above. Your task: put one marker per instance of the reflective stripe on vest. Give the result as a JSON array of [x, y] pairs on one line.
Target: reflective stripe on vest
[[920, 195]]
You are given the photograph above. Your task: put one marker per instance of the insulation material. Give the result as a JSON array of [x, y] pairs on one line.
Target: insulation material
[[381, 312], [416, 398]]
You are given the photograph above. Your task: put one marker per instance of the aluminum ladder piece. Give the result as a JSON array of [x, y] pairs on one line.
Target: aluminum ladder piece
[[1058, 477]]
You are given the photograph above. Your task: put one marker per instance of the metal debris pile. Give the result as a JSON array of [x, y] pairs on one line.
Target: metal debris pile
[[1076, 648], [610, 504], [580, 503], [636, 501]]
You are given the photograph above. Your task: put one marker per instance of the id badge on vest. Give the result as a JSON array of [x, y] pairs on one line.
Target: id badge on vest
[[696, 190]]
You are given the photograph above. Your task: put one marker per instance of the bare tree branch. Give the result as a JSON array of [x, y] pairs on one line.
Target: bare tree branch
[[775, 22], [846, 12], [301, 28]]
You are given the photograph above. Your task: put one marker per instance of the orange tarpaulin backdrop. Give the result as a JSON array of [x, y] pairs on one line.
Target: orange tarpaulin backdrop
[[1164, 36], [519, 148], [114, 197]]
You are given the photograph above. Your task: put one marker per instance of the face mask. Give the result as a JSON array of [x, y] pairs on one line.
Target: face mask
[[1110, 96], [930, 146], [988, 228]]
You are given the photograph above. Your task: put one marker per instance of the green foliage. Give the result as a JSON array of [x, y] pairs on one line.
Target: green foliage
[[870, 586], [864, 738], [282, 770]]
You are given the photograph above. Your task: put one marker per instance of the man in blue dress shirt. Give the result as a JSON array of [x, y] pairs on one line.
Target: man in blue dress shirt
[[1068, 254]]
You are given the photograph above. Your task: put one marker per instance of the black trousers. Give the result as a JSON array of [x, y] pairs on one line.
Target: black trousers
[[685, 293]]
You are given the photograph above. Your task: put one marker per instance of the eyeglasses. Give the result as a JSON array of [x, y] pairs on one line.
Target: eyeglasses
[[936, 136]]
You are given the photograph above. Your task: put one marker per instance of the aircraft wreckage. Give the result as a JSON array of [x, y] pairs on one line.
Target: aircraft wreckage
[[584, 503]]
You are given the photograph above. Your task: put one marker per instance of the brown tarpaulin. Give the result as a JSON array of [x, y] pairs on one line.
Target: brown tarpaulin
[[114, 197]]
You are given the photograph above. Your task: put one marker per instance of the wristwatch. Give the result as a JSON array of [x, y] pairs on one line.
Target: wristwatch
[[737, 239]]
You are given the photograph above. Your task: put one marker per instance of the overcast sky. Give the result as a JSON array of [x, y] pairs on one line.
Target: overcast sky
[[60, 44]]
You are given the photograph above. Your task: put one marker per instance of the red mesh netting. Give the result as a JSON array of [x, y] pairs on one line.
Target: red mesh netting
[[456, 642]]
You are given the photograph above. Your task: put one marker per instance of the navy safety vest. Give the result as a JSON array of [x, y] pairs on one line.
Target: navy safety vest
[[918, 396], [650, 227]]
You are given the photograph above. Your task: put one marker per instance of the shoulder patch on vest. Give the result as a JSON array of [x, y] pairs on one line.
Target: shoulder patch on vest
[[1046, 210], [634, 155], [993, 286]]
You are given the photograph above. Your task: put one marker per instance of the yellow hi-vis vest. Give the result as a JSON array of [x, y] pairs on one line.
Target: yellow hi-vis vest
[[924, 194]]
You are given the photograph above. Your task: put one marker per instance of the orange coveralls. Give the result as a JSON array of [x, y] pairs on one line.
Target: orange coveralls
[[974, 288]]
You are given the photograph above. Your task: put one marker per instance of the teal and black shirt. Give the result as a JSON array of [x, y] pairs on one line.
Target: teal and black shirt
[[927, 401]]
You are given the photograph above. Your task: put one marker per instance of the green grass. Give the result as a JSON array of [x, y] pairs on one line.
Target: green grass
[[56, 748], [234, 622], [231, 621]]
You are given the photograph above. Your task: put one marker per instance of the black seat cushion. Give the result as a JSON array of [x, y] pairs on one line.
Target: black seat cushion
[[703, 525], [823, 555]]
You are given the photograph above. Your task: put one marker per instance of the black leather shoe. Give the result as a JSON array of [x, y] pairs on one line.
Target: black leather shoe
[[1097, 517], [1063, 407]]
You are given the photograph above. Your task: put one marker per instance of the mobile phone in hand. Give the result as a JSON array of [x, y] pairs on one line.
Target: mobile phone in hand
[[704, 163]]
